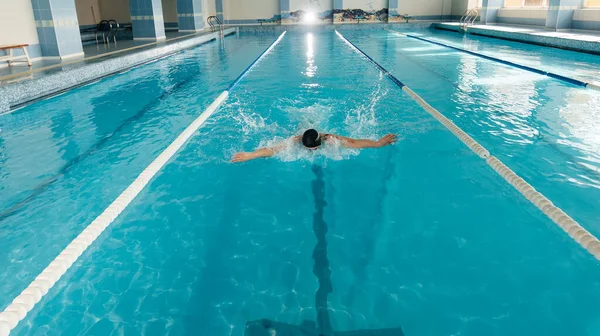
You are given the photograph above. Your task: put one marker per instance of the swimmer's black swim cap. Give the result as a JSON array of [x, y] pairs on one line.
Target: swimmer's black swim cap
[[311, 138]]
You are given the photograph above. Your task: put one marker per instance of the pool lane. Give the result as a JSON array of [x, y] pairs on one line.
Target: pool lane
[[540, 127], [581, 66], [536, 70], [90, 144], [421, 235]]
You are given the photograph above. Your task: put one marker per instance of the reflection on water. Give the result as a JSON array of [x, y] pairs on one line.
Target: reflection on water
[[311, 68]]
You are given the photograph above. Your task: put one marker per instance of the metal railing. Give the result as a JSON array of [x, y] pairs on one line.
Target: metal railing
[[468, 18], [214, 23], [107, 30]]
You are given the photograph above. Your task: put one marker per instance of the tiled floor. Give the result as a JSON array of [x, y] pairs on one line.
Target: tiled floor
[[21, 68], [92, 53]]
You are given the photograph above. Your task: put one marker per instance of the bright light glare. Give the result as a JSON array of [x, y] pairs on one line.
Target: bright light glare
[[310, 18]]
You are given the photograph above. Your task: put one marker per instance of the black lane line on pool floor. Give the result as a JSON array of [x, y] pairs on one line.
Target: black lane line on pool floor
[[516, 65], [322, 271], [321, 268], [40, 188]]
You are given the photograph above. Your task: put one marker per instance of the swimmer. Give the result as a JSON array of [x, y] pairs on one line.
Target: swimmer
[[311, 140]]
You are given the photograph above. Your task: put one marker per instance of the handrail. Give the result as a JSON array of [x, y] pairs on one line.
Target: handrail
[[214, 23], [101, 29], [468, 18], [474, 16], [114, 33], [105, 29]]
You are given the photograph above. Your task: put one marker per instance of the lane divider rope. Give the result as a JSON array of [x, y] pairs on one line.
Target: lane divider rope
[[464, 137], [40, 286], [584, 238], [513, 64]]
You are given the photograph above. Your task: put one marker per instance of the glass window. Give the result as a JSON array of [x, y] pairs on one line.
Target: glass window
[[513, 3], [528, 3], [535, 3], [593, 3]]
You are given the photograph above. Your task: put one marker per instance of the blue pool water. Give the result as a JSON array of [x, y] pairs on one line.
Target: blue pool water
[[544, 129], [422, 234], [585, 67]]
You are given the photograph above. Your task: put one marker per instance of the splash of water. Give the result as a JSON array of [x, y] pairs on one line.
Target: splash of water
[[316, 115], [292, 150], [362, 120]]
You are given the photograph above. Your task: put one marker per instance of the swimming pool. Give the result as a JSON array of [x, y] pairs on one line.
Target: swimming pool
[[421, 235]]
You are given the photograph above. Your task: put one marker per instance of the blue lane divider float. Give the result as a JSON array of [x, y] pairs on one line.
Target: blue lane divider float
[[516, 65], [580, 235], [39, 287], [377, 65], [245, 72]]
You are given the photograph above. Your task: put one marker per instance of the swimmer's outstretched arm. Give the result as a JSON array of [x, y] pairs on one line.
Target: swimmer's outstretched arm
[[387, 139], [261, 153]]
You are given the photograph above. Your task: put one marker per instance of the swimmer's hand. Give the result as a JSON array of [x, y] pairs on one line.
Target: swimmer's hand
[[387, 139], [259, 153], [241, 157]]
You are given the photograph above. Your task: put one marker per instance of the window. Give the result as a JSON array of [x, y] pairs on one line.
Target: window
[[593, 3], [528, 3]]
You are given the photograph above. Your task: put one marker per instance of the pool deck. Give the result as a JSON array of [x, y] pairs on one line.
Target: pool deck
[[21, 85], [91, 52], [577, 40]]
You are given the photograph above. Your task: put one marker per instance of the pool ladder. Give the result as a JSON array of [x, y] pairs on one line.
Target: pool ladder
[[107, 30], [215, 24], [468, 19]]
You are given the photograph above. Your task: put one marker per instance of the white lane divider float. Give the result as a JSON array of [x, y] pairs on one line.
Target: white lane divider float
[[559, 217], [39, 287]]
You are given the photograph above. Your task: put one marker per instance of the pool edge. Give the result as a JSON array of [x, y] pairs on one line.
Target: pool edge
[[16, 95]]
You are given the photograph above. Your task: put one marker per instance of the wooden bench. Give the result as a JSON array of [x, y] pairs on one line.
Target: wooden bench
[[11, 58]]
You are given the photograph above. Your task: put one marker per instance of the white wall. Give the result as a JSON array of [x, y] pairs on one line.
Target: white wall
[[17, 24], [525, 13], [115, 9], [587, 14], [169, 8], [460, 6], [250, 10], [84, 12], [366, 5], [315, 6], [425, 7]]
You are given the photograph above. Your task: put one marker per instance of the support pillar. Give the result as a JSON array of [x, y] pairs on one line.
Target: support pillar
[[286, 18], [338, 6], [560, 14], [219, 7], [489, 10], [147, 19], [57, 28], [393, 14], [189, 15]]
